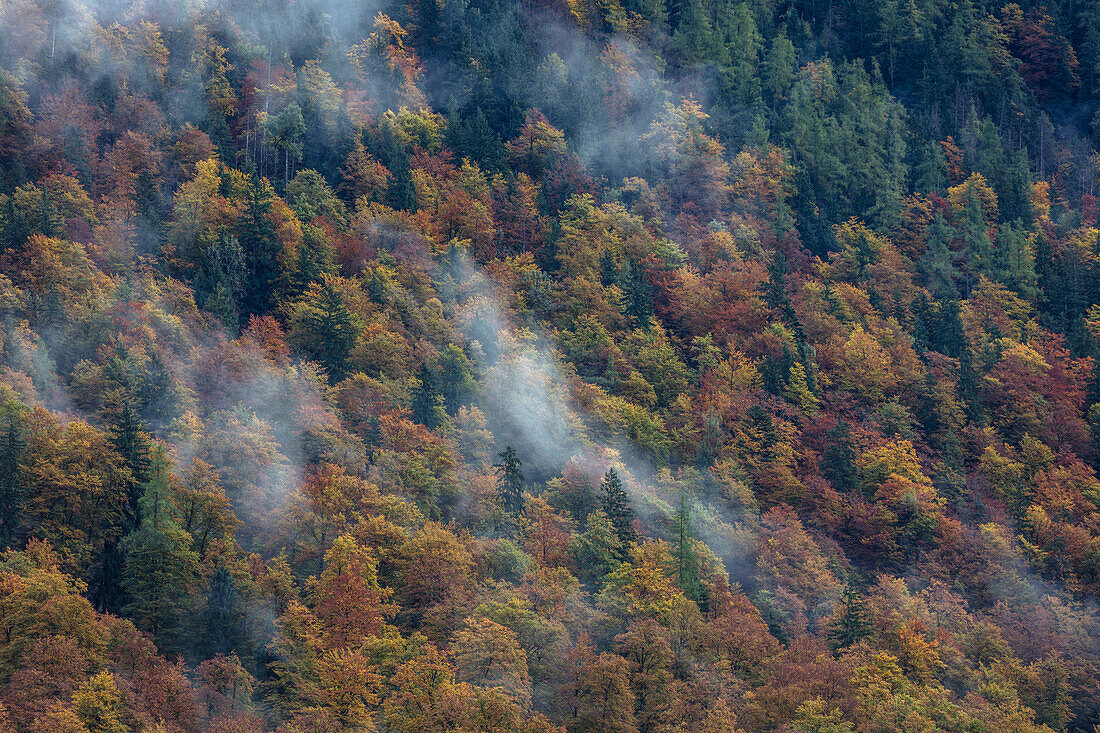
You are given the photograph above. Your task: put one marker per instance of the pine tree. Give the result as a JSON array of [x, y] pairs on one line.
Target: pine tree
[[510, 481], [616, 504], [851, 625]]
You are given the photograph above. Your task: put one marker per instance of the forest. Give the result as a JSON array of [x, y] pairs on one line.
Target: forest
[[549, 366]]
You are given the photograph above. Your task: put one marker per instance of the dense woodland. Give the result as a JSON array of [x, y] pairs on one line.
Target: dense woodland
[[552, 366]]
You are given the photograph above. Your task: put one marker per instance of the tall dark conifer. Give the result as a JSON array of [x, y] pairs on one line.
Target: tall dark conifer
[[616, 504], [510, 481]]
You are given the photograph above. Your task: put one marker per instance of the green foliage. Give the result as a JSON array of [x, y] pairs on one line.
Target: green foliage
[[510, 481], [158, 561], [822, 275], [851, 623], [616, 505]]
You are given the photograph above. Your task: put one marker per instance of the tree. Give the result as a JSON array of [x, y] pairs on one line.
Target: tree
[[694, 39], [14, 437], [219, 283], [537, 146], [224, 628], [489, 655], [974, 233], [605, 701], [936, 263], [1014, 264], [261, 248], [203, 508], [688, 575], [838, 459], [324, 325], [598, 550], [648, 648], [510, 481], [616, 505], [98, 704], [316, 257], [428, 407], [284, 132], [159, 563], [851, 624], [132, 443], [348, 600], [779, 68], [456, 376], [78, 500]]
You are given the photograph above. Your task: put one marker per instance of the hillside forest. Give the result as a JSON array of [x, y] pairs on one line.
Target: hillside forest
[[549, 366]]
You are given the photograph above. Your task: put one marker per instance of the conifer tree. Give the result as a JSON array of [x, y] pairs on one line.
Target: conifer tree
[[325, 326], [456, 376], [427, 403], [694, 39], [260, 247], [616, 504], [798, 391], [221, 305], [158, 562], [132, 443], [1014, 262], [13, 444], [510, 481], [852, 624], [936, 265], [223, 628], [838, 459], [687, 561], [975, 237]]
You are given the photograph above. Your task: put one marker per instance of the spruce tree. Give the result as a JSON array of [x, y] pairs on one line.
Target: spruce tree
[[838, 459], [327, 328], [457, 382], [132, 443], [616, 504], [510, 481], [688, 574], [975, 236], [220, 304], [851, 625], [939, 271], [260, 248], [1015, 263], [158, 563], [428, 407], [13, 444]]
